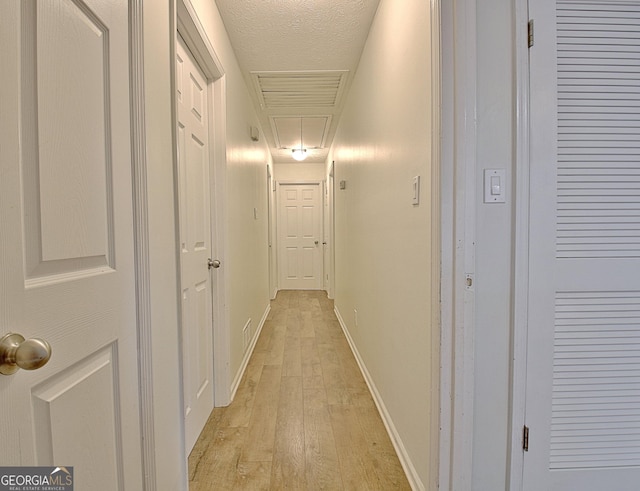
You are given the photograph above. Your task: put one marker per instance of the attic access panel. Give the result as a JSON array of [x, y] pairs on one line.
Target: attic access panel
[[286, 130]]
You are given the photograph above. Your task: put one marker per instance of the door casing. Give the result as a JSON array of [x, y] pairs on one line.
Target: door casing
[[454, 46], [521, 261]]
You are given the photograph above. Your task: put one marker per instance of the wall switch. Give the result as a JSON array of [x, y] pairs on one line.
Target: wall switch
[[495, 183], [416, 190]]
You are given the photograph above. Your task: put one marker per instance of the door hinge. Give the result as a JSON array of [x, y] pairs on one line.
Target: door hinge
[[525, 438], [530, 33]]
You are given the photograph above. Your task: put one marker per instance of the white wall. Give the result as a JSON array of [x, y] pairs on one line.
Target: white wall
[[494, 237], [291, 172], [383, 242]]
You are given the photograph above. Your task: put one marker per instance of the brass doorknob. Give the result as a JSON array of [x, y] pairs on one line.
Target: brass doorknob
[[16, 353]]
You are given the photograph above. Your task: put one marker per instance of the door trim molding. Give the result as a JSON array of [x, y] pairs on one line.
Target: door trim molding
[[141, 244], [520, 281], [192, 31], [457, 201], [293, 182], [271, 223], [437, 223], [330, 180]]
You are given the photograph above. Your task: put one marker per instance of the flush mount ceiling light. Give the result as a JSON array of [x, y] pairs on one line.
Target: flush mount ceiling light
[[300, 153]]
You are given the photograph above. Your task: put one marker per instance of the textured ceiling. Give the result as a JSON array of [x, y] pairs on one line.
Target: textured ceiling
[[297, 36]]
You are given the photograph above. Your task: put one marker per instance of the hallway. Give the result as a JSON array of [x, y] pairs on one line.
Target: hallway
[[302, 418]]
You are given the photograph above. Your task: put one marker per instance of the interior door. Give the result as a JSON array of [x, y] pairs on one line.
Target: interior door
[[195, 242], [300, 236], [583, 352], [66, 260]]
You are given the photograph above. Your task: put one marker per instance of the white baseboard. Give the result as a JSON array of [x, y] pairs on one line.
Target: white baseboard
[[247, 354], [405, 461]]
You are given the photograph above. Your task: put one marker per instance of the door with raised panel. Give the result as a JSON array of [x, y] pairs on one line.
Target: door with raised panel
[[195, 242], [583, 345], [300, 236], [66, 241]]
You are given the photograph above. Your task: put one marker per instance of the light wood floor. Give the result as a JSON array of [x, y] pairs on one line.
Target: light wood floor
[[302, 418]]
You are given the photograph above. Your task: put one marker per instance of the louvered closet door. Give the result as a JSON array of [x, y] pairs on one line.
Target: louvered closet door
[[583, 361]]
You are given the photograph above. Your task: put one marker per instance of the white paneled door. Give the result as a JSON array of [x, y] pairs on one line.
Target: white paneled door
[[583, 352], [66, 237], [195, 242], [300, 236]]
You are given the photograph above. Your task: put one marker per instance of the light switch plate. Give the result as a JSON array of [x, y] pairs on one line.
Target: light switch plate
[[416, 190], [495, 184]]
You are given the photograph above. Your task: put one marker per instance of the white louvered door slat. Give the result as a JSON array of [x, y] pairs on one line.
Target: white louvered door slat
[[583, 360]]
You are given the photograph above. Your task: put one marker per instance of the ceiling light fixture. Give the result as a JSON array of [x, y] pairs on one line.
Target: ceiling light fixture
[[300, 153]]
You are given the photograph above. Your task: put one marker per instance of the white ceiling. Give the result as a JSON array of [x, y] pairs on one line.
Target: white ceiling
[[298, 58]]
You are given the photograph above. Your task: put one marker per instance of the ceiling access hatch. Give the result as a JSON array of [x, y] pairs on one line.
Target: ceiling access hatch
[[287, 131], [308, 89]]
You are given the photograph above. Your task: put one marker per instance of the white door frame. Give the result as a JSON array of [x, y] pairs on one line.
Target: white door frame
[[273, 262], [194, 35], [457, 122], [332, 229], [515, 454], [325, 236], [141, 242], [458, 168]]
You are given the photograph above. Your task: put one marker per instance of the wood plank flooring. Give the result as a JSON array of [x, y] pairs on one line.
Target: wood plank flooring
[[302, 418]]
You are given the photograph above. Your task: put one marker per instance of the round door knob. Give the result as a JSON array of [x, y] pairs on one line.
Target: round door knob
[[213, 263], [16, 353]]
